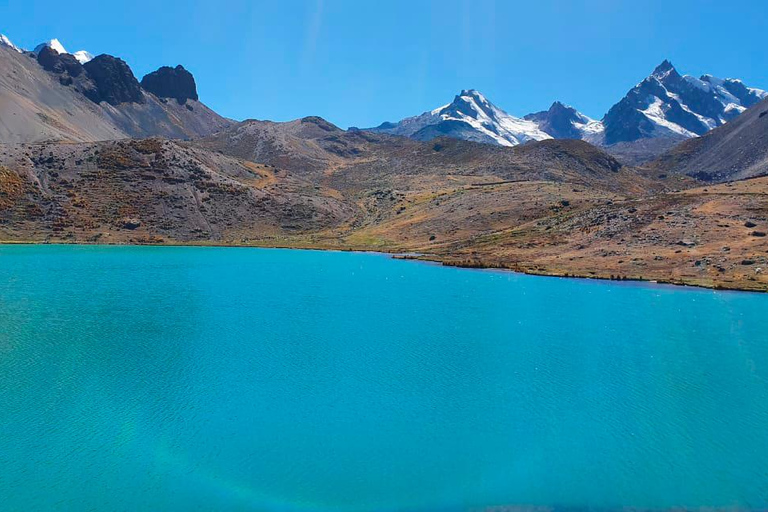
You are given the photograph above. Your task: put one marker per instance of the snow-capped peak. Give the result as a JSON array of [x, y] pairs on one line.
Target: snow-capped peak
[[665, 104], [470, 116], [53, 44], [562, 121], [7, 42], [472, 108], [663, 70], [82, 56], [670, 105]]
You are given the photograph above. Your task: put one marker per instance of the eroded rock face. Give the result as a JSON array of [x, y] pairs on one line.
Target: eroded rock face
[[68, 69], [114, 81], [53, 61], [168, 82]]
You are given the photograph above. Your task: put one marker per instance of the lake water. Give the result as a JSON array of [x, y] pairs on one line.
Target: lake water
[[145, 378]]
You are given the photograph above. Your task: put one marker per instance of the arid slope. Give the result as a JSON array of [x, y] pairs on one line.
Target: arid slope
[[36, 107], [558, 207], [736, 150], [151, 191]]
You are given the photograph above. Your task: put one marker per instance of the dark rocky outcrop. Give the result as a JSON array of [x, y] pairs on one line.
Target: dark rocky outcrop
[[168, 82], [320, 123], [386, 125], [57, 63], [114, 81], [69, 70]]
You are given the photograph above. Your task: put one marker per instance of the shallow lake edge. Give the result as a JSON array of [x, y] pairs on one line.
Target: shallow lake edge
[[426, 259]]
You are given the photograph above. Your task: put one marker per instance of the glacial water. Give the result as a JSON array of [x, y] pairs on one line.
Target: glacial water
[[145, 378]]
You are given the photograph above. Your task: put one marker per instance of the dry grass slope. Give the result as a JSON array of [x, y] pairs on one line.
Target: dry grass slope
[[554, 207]]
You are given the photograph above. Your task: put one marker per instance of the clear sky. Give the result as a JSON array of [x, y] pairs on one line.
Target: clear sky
[[361, 62]]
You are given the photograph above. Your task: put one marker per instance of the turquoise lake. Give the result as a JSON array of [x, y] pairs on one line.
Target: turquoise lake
[[148, 378]]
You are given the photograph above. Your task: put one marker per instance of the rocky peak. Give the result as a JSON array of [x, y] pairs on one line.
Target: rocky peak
[[321, 123], [57, 63], [472, 93], [470, 116], [168, 82], [114, 81], [664, 70], [673, 106], [471, 103], [314, 127], [558, 108], [562, 121]]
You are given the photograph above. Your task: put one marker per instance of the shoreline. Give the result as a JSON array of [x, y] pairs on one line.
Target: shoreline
[[424, 258]]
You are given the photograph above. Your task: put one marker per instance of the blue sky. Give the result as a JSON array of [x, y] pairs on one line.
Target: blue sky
[[361, 62]]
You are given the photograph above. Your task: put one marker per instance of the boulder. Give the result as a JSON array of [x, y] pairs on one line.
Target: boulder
[[130, 223]]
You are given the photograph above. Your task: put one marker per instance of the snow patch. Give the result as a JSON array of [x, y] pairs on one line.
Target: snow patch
[[7, 42], [698, 83], [656, 115], [733, 106], [83, 56], [53, 44], [591, 127]]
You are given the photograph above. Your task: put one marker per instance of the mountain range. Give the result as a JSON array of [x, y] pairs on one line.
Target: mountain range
[[665, 106], [660, 111], [89, 153]]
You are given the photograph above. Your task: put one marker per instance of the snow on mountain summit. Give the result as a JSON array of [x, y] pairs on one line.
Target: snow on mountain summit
[[668, 104], [473, 108], [82, 56], [565, 122], [470, 116], [53, 44], [4, 41]]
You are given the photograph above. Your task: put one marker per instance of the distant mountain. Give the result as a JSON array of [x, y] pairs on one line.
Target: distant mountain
[[565, 122], [662, 110], [667, 104], [736, 150], [82, 56], [470, 116]]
